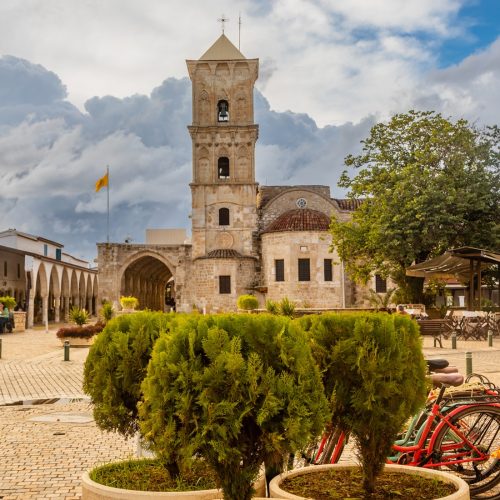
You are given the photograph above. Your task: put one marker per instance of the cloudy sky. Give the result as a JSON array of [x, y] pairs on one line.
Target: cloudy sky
[[86, 83]]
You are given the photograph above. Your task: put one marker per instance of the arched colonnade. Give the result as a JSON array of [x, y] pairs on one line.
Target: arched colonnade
[[55, 288]]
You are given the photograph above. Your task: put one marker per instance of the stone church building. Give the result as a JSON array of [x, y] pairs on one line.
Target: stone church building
[[271, 241]]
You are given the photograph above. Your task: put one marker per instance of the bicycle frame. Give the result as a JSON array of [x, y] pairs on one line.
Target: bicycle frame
[[422, 451]]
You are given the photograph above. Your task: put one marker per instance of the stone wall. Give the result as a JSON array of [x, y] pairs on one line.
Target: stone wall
[[203, 285]]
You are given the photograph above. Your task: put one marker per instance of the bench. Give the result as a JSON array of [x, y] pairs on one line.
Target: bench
[[433, 327]]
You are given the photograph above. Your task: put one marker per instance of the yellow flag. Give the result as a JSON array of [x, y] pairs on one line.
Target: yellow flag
[[102, 182]]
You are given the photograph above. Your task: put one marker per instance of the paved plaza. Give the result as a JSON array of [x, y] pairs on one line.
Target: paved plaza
[[45, 448]]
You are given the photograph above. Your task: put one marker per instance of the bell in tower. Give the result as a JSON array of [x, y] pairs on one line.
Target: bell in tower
[[223, 111]]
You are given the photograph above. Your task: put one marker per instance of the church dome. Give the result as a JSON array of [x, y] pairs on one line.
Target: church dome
[[300, 219]]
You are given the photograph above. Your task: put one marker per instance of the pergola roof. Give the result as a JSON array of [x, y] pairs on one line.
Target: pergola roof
[[454, 263]]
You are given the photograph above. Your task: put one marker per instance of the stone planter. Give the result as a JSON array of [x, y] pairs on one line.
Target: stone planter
[[95, 491], [462, 492], [78, 341], [19, 321]]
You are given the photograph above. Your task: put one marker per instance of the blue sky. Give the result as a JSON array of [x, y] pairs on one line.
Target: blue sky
[[481, 22], [85, 84]]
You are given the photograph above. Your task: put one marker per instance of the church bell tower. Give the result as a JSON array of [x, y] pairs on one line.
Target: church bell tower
[[223, 133]]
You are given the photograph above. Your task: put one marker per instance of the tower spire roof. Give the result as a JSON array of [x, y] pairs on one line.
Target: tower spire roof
[[221, 50]]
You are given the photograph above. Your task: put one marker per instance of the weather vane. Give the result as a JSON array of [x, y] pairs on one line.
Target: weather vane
[[223, 20]]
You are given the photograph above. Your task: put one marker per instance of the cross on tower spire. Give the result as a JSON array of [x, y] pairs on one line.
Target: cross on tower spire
[[223, 20]]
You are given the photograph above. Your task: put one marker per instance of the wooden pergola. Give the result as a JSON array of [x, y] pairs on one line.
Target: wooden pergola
[[462, 263]]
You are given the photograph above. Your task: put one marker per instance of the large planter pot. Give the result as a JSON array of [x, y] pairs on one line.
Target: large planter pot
[[19, 321], [78, 341], [95, 491], [462, 492]]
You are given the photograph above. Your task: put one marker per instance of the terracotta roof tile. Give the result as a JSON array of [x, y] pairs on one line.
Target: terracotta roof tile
[[223, 253], [348, 204], [300, 219]]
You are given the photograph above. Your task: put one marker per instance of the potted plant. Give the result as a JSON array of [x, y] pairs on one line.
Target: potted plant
[[113, 373], [81, 334], [129, 303], [374, 375], [235, 390]]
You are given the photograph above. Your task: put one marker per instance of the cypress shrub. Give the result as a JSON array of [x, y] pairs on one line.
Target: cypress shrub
[[374, 373], [236, 390], [247, 302], [116, 366]]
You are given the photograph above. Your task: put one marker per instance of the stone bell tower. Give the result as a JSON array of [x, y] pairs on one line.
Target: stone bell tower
[[223, 132]]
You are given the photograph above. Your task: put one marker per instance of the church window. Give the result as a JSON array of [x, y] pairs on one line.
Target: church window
[[304, 270], [223, 216], [224, 284], [301, 203], [223, 111], [328, 270], [223, 167], [380, 284], [279, 269]]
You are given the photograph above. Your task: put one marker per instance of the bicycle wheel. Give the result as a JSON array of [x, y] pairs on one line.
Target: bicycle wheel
[[480, 426]]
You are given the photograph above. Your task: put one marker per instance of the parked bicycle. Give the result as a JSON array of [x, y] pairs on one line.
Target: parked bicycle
[[458, 430]]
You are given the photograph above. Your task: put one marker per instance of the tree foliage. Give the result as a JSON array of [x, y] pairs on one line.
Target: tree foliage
[[236, 390], [116, 366], [427, 184], [374, 374]]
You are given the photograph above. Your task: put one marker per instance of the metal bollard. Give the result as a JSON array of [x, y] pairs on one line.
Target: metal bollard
[[453, 340], [490, 338], [66, 350], [468, 363]]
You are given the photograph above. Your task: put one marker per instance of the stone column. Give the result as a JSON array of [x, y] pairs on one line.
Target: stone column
[[45, 309], [57, 305], [31, 308]]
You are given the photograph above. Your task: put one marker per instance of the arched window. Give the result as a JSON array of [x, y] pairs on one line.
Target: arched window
[[223, 216], [223, 111], [223, 167]]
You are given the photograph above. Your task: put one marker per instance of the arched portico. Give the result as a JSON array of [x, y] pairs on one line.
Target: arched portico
[[145, 276]]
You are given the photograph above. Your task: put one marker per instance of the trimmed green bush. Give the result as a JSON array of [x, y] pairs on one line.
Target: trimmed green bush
[[374, 374], [236, 390], [247, 302], [116, 366]]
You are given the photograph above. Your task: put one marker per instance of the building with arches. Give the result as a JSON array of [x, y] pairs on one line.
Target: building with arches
[[271, 241], [45, 281]]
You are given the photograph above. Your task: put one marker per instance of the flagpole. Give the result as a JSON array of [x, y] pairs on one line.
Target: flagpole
[[107, 173]]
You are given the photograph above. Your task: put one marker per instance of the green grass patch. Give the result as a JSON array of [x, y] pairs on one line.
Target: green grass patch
[[151, 475]]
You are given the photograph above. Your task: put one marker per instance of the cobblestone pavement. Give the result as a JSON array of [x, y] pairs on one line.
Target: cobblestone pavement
[[45, 448]]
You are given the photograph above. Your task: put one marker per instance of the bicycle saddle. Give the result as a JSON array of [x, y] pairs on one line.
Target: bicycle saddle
[[454, 379], [436, 364]]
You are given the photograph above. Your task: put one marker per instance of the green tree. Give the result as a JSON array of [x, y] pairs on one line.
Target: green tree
[[374, 373], [116, 366], [427, 184], [236, 390]]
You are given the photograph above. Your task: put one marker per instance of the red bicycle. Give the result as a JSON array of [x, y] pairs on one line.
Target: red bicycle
[[458, 431]]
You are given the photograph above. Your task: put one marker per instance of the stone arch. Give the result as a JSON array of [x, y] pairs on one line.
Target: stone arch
[[54, 294], [242, 160], [81, 290], [65, 293], [222, 70], [40, 298], [203, 165], [95, 293], [241, 70], [240, 107], [88, 295], [145, 275], [204, 108], [73, 290]]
